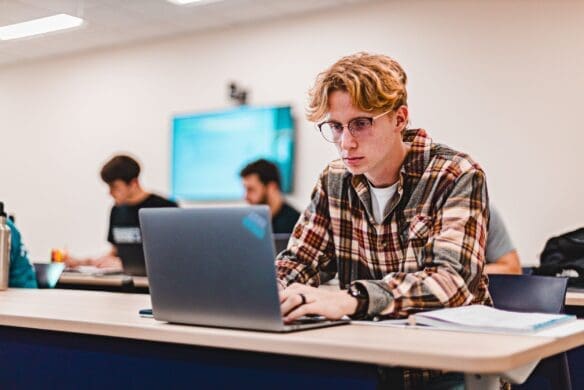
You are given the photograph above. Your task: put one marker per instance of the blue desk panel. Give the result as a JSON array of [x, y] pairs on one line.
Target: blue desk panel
[[46, 360]]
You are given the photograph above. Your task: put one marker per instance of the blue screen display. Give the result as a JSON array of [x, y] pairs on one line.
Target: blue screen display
[[210, 149]]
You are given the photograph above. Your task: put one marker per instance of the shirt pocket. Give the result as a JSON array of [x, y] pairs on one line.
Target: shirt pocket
[[417, 236], [419, 227]]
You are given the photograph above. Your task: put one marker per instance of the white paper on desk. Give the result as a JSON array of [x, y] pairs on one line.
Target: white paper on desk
[[481, 318], [562, 330], [95, 271]]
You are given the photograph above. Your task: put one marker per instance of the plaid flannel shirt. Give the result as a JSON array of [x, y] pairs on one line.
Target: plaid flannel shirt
[[428, 253]]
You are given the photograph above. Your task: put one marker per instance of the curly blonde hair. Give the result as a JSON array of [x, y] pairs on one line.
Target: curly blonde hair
[[375, 83]]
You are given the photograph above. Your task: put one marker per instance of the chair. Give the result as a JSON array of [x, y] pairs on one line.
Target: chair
[[281, 241], [531, 293], [527, 270]]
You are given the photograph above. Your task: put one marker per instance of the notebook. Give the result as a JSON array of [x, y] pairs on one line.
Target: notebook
[[215, 267], [479, 318]]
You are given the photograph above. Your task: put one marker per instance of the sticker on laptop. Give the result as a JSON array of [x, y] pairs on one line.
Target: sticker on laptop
[[127, 235], [255, 224]]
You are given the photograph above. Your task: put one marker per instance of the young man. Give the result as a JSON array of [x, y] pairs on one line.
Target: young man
[[121, 175], [401, 219], [261, 181]]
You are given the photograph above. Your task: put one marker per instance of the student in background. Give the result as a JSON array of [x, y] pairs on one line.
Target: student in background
[[400, 218], [121, 174], [261, 181], [22, 272], [501, 255]]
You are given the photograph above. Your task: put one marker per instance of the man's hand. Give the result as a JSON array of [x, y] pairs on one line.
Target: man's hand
[[107, 261], [331, 304], [73, 262]]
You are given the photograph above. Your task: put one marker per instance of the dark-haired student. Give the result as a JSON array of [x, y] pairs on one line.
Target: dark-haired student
[[262, 184], [121, 174]]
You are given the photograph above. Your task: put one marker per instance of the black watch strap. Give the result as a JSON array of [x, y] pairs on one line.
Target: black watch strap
[[358, 291]]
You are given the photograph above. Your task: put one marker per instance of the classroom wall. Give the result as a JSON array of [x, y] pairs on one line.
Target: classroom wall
[[501, 80]]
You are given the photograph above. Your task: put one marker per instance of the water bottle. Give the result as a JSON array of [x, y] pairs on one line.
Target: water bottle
[[4, 249]]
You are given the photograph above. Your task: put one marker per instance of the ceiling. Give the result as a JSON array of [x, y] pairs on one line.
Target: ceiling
[[111, 23]]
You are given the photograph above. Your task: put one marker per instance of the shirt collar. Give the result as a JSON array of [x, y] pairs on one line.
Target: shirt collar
[[415, 163], [418, 156]]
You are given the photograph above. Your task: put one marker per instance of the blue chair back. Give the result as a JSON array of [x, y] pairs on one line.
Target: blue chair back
[[542, 294], [528, 293]]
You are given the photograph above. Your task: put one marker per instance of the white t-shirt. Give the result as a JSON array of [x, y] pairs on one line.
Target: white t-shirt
[[380, 197]]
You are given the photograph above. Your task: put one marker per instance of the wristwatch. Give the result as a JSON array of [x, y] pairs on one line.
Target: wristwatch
[[358, 291]]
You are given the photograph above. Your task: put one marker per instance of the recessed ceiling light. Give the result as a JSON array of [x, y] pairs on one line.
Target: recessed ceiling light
[[39, 26], [185, 2]]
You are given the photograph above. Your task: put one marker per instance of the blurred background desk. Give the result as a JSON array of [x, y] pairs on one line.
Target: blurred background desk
[[575, 298], [114, 283], [140, 283]]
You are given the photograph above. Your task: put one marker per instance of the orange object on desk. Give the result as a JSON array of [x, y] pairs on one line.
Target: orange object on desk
[[58, 255]]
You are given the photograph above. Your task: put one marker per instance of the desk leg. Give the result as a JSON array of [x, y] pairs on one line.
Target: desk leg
[[520, 374], [491, 382]]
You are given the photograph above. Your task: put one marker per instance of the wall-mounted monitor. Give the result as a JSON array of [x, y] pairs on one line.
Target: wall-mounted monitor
[[210, 149]]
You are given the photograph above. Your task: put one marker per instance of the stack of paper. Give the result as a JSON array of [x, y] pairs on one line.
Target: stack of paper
[[95, 271], [487, 319]]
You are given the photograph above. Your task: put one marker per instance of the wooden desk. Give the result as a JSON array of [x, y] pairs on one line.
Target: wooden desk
[[575, 298], [140, 281], [75, 280], [114, 283], [69, 327], [102, 280]]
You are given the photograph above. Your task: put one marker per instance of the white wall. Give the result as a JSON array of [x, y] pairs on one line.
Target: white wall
[[501, 80]]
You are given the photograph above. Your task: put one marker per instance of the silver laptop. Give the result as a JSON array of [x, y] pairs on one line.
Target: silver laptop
[[215, 267]]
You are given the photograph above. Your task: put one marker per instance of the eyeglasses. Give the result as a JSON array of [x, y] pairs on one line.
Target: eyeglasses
[[358, 127]]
